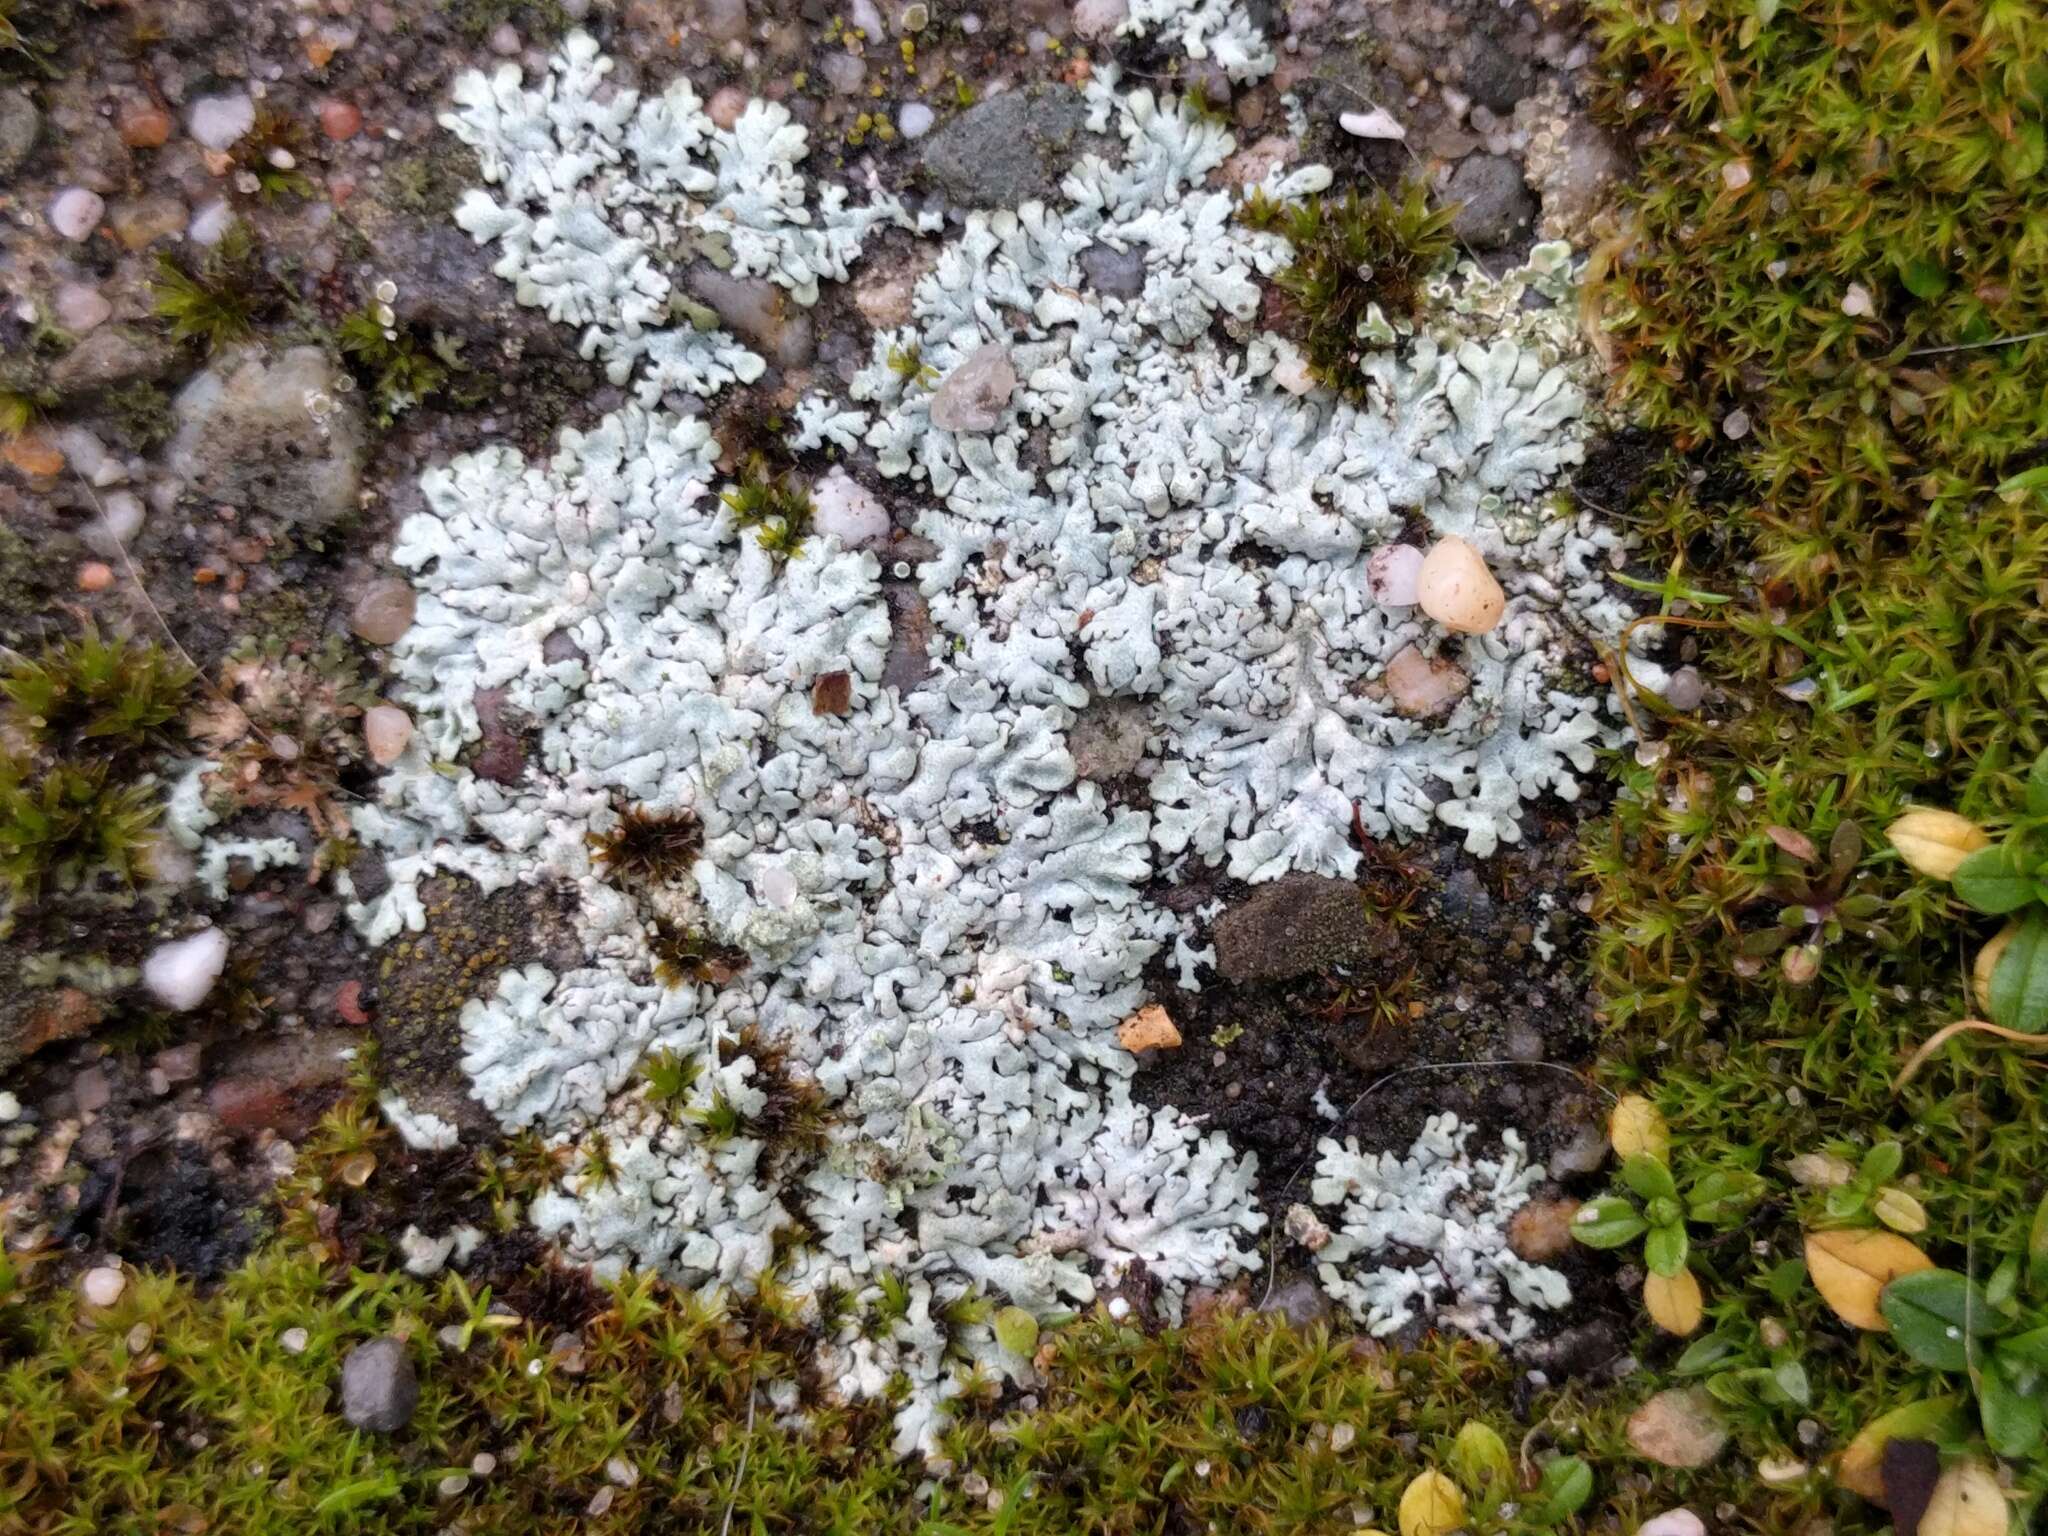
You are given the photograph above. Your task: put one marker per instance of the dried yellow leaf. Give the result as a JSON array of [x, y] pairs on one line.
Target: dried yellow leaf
[[1899, 1211], [1673, 1301], [1851, 1269], [1861, 1466], [1637, 1129], [1431, 1506], [1967, 1502], [1987, 962], [1933, 843]]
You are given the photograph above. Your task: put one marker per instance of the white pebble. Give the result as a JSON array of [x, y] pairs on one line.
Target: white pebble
[[1099, 18], [1857, 301], [218, 121], [210, 223], [1673, 1522], [849, 511], [777, 887], [180, 974], [10, 1108], [103, 1286], [294, 1340], [80, 307], [1394, 575], [915, 120], [386, 730], [75, 212], [1379, 123]]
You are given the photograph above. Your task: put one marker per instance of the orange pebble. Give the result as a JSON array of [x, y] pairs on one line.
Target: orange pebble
[[95, 576]]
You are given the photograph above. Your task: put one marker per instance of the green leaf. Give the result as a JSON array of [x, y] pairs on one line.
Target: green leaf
[[1664, 1250], [1924, 279], [2037, 1251], [2004, 1284], [2012, 1421], [1649, 1177], [1562, 1490], [1724, 1195], [1017, 1331], [1992, 881], [1480, 1458], [1765, 10], [2037, 787], [1789, 1376], [2035, 479], [1934, 1313], [1880, 1163], [1609, 1222], [2019, 982], [1786, 1280], [2029, 1348], [1705, 1354]]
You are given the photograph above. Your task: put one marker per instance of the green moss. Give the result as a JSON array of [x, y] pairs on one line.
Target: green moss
[[1351, 254], [772, 502], [31, 35], [535, 19], [141, 412], [397, 364], [219, 297]]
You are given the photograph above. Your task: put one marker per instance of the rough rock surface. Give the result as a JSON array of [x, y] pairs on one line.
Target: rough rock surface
[[272, 435], [1008, 149], [1296, 925], [1108, 739], [1495, 206]]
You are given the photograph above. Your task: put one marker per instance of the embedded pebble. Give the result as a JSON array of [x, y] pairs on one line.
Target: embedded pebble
[[180, 974], [505, 40], [209, 223], [102, 1287], [1421, 686], [1149, 1029], [340, 120], [844, 72], [849, 511], [79, 308], [1099, 18], [975, 395], [218, 121], [1120, 274], [379, 1389], [1673, 1522], [915, 120], [384, 612], [1685, 690], [386, 731], [145, 125], [1394, 574], [727, 103], [1379, 123], [1456, 589], [75, 212], [95, 576]]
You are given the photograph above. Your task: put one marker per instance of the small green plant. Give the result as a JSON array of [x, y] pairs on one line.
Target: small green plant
[[669, 1076], [68, 822], [268, 156], [396, 366], [1659, 1215], [772, 502], [1860, 1193], [1817, 906], [218, 298], [94, 688], [2007, 878], [1352, 255], [1994, 1333], [1481, 1492]]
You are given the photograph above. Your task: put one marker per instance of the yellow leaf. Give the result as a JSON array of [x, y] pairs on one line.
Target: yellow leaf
[[1899, 1210], [1861, 1467], [1967, 1502], [1851, 1269], [1933, 843], [1636, 1128], [1673, 1301], [1987, 962], [1431, 1506]]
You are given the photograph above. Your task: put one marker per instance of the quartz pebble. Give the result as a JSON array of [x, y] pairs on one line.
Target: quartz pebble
[[1456, 589], [386, 730], [726, 105], [1394, 573], [384, 612], [103, 1286], [95, 576], [1420, 685], [1686, 689], [75, 212], [80, 307], [218, 121], [915, 120], [1379, 123], [975, 394], [180, 974], [849, 511]]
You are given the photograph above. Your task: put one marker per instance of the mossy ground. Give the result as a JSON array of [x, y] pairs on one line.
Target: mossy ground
[[1824, 306]]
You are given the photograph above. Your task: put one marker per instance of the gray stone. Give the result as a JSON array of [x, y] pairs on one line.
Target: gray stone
[[111, 356], [757, 311], [1686, 690], [1300, 1301], [1119, 274], [1496, 206], [1108, 738], [1579, 1148], [1494, 75], [379, 1389], [1008, 149], [1297, 925], [272, 434], [20, 125]]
